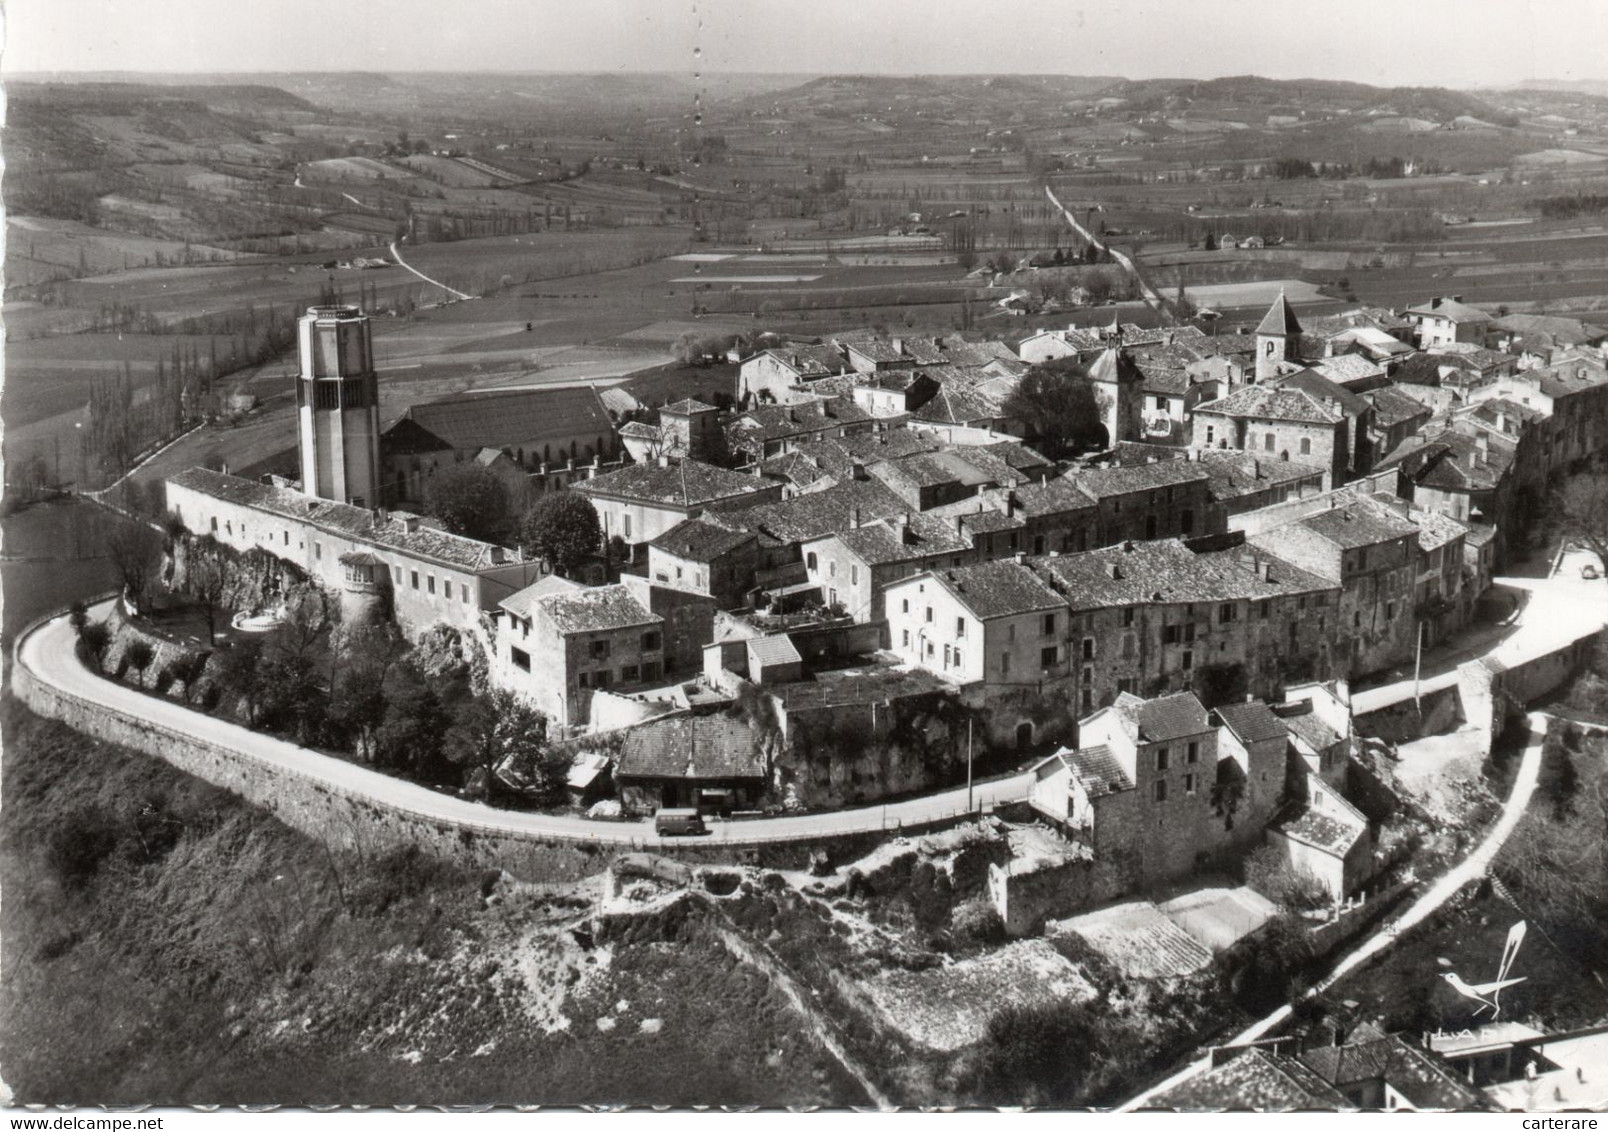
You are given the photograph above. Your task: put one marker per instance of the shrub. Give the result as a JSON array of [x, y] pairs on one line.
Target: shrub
[[977, 924], [94, 638], [78, 843]]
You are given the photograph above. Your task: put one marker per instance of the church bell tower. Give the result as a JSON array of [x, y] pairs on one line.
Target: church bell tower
[[338, 407]]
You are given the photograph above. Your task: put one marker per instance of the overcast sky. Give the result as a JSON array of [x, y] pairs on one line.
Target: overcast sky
[[1415, 42]]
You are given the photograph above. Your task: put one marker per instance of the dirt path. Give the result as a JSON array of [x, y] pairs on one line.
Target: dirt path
[[396, 255]]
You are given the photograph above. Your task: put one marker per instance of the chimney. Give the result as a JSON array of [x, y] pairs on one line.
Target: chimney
[[1010, 504], [1020, 557], [960, 524], [854, 518], [410, 523], [902, 528], [664, 459], [1263, 572], [898, 346], [1127, 547], [1112, 572], [1434, 304]]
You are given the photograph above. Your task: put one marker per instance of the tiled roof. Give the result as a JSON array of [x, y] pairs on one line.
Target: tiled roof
[[1101, 483], [1436, 530], [998, 589], [1321, 389], [1053, 497], [1348, 367], [809, 361], [843, 687], [516, 416], [1165, 571], [1270, 402], [1252, 722], [522, 603], [777, 422], [1256, 1080], [1017, 455], [1279, 319], [839, 454], [698, 540], [957, 406], [1412, 1072], [429, 544], [1321, 831], [592, 610], [687, 406], [1113, 366], [706, 747], [1452, 309], [1101, 772], [688, 483], [796, 468], [884, 541], [1306, 725], [777, 648], [1169, 717], [1393, 407], [640, 429], [1167, 381], [816, 513], [1235, 473], [1362, 523]]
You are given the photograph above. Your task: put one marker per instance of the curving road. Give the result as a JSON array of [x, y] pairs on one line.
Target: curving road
[[1146, 292], [45, 653], [396, 255], [1470, 868]]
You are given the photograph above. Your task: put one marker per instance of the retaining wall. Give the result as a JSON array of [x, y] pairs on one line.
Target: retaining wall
[[347, 819]]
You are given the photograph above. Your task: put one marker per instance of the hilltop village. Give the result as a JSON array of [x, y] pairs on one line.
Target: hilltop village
[[866, 561]]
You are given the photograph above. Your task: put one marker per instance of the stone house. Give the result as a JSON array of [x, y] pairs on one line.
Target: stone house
[[768, 376], [1278, 423], [430, 577], [853, 568], [1371, 552], [1166, 499], [714, 763], [1442, 321], [640, 502], [775, 430], [700, 555]]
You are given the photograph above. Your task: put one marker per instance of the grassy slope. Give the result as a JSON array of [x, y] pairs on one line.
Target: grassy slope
[[211, 955]]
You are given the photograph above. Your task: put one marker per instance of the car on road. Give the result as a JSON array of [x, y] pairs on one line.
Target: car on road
[[1590, 572], [678, 823]]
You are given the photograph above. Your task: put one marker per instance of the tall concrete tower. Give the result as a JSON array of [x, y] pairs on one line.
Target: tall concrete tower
[[338, 407]]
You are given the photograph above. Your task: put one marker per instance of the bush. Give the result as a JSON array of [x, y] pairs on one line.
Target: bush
[[78, 843], [977, 924]]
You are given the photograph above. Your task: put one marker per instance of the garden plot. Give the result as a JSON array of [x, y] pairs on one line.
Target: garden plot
[[1220, 917], [1137, 940], [948, 1008]]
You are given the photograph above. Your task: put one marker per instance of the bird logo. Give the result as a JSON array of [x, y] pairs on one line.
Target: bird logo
[[1489, 995]]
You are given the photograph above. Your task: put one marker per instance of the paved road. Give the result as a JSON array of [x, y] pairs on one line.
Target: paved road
[[1560, 609], [47, 653], [1472, 867], [396, 255]]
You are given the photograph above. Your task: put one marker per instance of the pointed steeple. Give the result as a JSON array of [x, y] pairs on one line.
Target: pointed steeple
[[1280, 319]]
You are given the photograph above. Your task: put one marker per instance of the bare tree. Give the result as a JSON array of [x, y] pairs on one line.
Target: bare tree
[[1580, 508], [207, 582]]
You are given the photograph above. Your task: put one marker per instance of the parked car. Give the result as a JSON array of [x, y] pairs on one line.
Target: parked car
[[1590, 572], [678, 822]]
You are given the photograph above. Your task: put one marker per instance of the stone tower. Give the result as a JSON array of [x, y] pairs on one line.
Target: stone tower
[[1277, 339], [691, 429], [363, 581], [338, 407]]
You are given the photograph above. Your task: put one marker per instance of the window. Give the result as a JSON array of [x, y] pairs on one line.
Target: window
[[1127, 617], [1171, 634], [1192, 753], [1390, 611], [598, 650], [1163, 760], [1211, 434], [466, 593], [584, 680], [397, 571], [521, 659], [650, 670], [960, 626], [318, 550], [1159, 790], [601, 678], [1049, 624], [446, 590], [1047, 656], [1362, 558], [429, 582], [1129, 684], [1306, 446], [906, 638], [628, 524], [1186, 521], [929, 649], [813, 565], [415, 574], [958, 662], [1150, 526], [214, 524], [628, 673], [1010, 633], [1088, 674], [1356, 619], [1267, 442], [929, 615], [1189, 660], [1189, 784], [1227, 612], [854, 575], [1004, 664], [1264, 609], [650, 642], [1088, 648], [287, 538]]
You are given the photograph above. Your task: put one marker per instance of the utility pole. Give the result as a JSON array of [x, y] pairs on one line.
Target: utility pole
[[1418, 668], [968, 766]]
